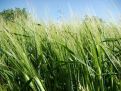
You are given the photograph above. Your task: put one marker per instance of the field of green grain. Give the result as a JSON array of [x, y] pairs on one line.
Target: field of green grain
[[66, 56]]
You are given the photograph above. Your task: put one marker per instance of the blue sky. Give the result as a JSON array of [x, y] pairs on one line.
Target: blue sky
[[56, 9]]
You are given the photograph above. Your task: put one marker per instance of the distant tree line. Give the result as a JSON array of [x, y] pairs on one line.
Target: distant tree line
[[13, 14]]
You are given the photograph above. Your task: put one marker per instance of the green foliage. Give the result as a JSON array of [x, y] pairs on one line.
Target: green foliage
[[69, 57], [13, 14]]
